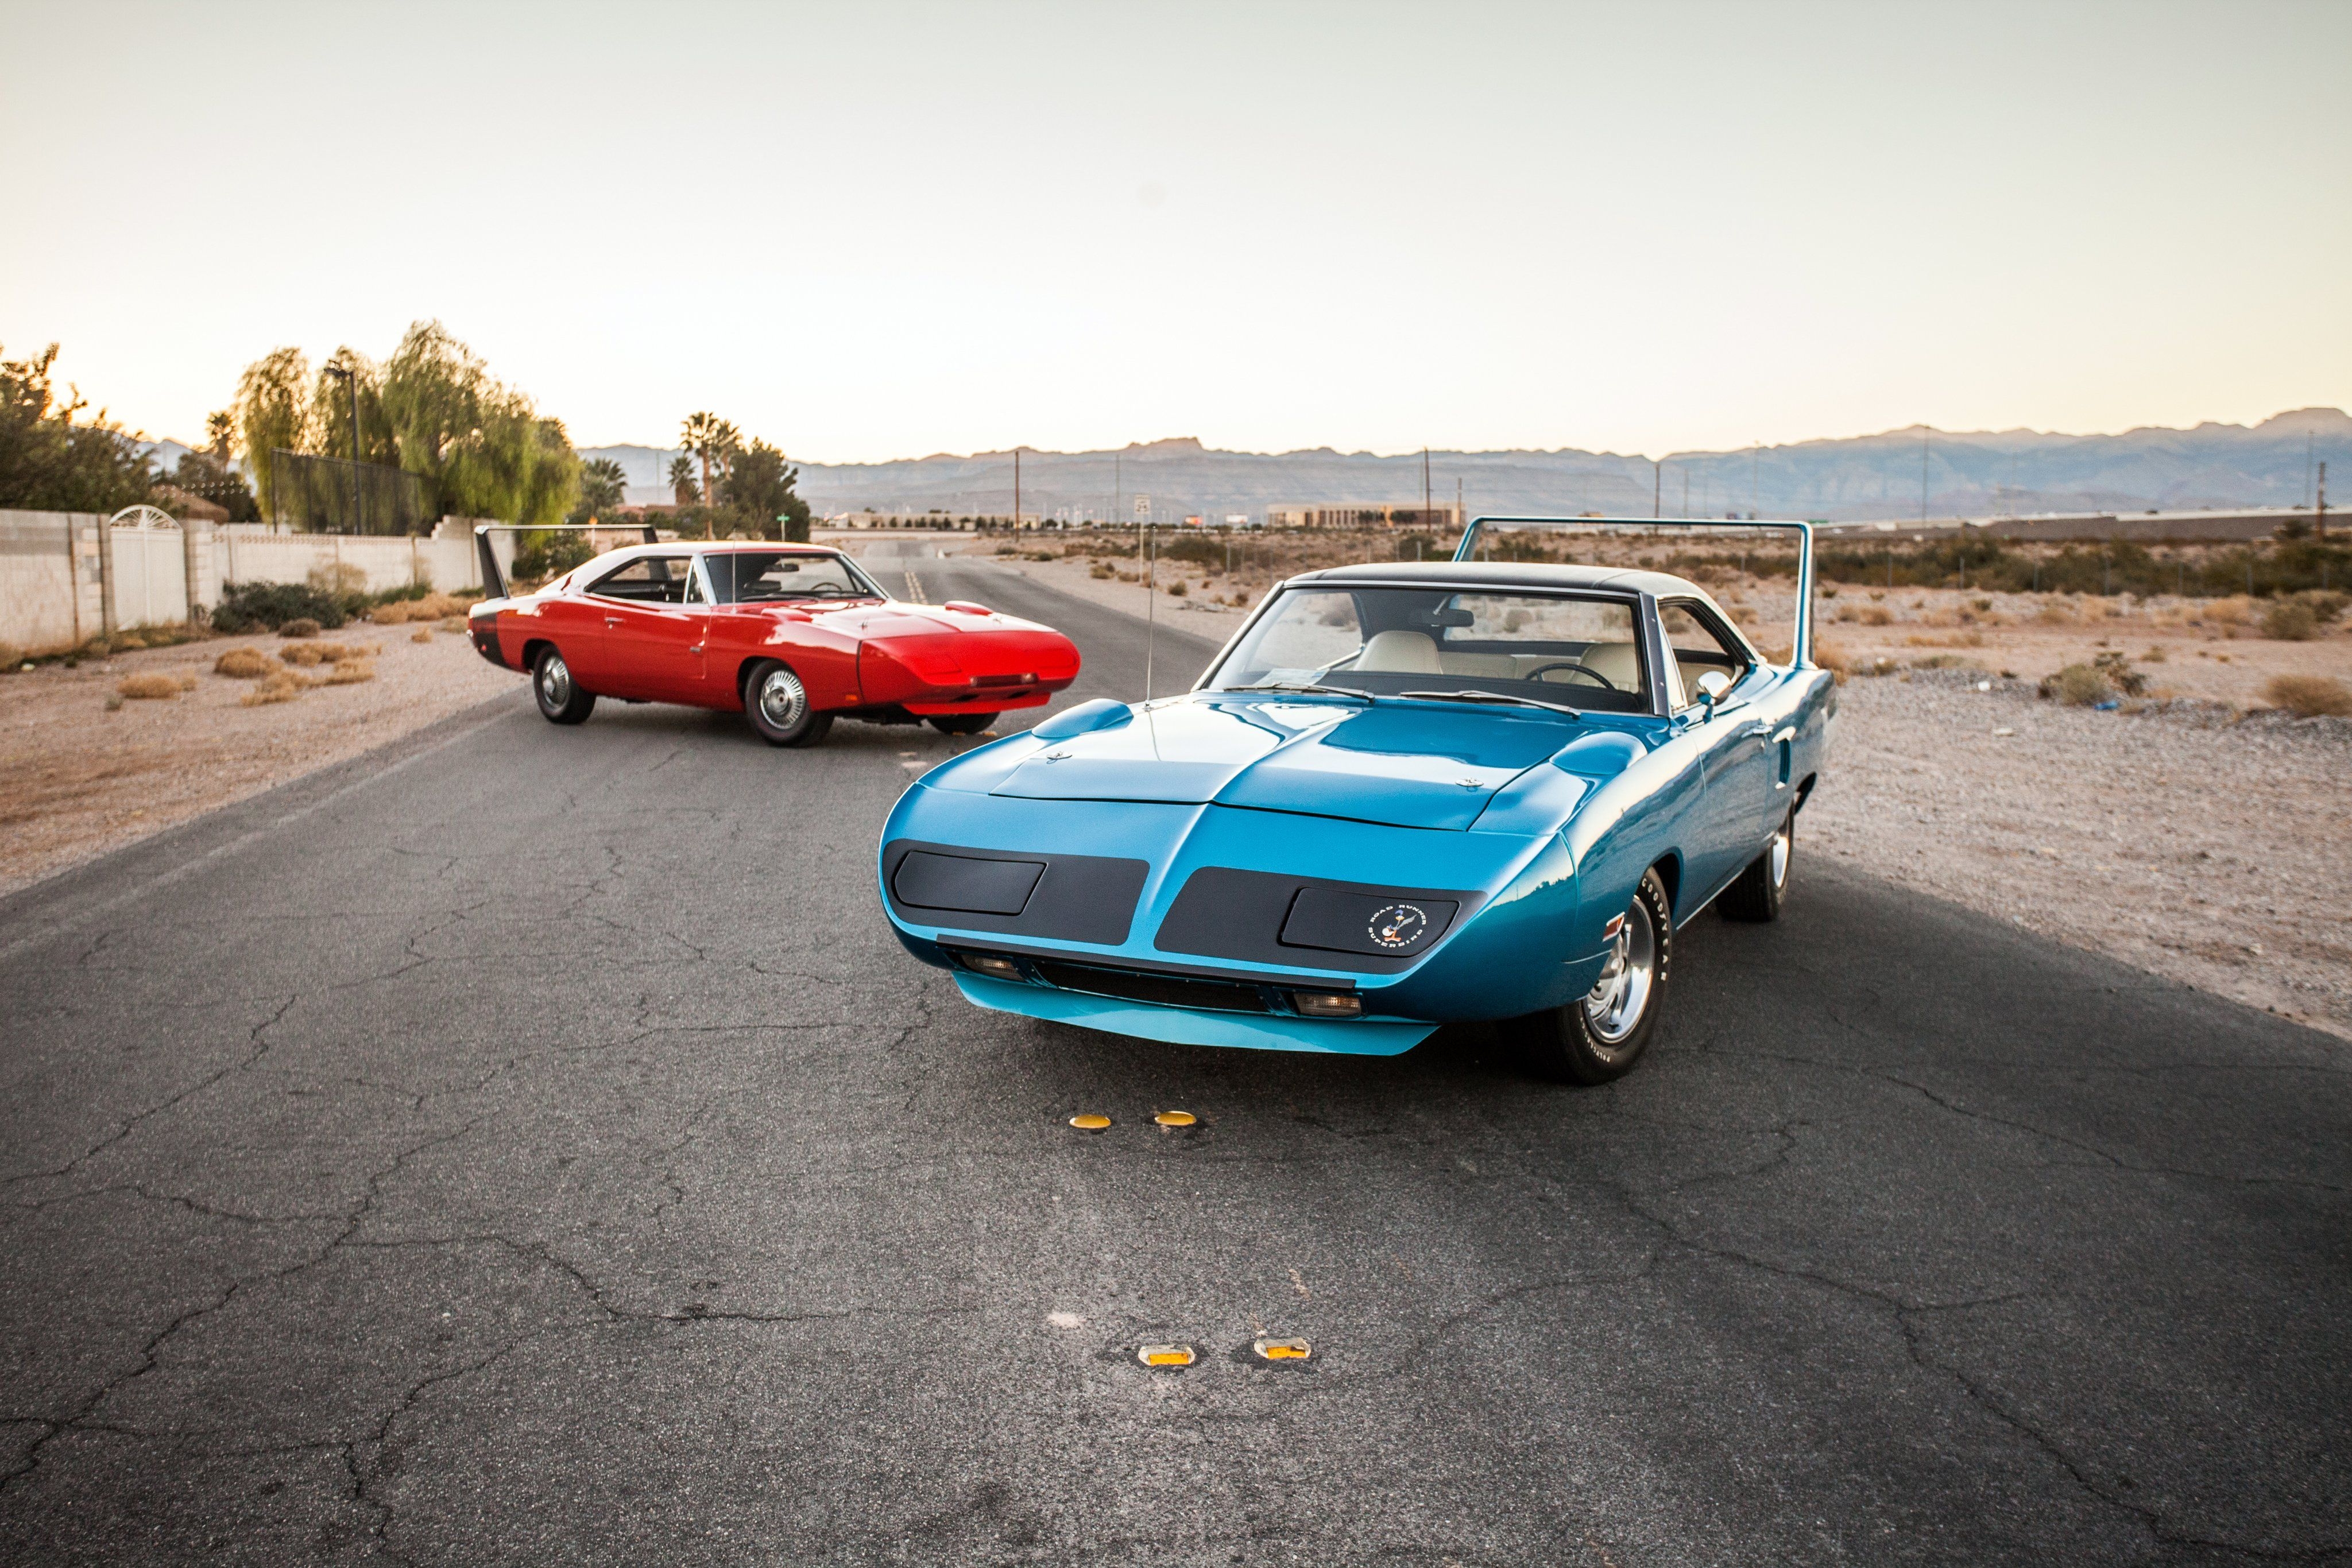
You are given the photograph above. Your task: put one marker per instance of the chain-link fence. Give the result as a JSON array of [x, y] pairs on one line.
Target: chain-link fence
[[318, 494]]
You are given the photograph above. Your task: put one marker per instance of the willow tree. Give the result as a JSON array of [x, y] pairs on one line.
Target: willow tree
[[331, 411], [487, 451], [273, 414]]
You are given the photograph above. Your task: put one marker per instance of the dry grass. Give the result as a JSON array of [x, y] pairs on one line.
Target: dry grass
[[151, 688], [432, 607], [281, 686], [455, 623], [307, 655], [302, 627], [1832, 658], [2290, 621], [2079, 685], [2308, 696], [243, 664], [350, 673], [425, 635]]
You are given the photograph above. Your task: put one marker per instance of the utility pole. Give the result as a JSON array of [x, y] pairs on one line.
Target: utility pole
[[2319, 513], [1016, 490]]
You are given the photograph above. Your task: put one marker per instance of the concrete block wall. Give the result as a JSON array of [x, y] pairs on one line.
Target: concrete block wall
[[56, 589]]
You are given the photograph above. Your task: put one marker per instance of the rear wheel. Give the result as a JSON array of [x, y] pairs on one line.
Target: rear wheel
[[1602, 1034], [962, 722], [1757, 893], [778, 708], [561, 699]]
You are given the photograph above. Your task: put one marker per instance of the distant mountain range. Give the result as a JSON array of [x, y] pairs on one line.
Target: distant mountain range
[[1969, 473]]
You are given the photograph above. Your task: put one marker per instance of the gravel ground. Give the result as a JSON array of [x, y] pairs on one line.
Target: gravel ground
[[76, 780], [2212, 849]]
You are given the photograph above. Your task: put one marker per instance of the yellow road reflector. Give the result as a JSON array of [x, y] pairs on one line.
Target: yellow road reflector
[[1175, 1118], [1090, 1122], [1282, 1349], [1165, 1355]]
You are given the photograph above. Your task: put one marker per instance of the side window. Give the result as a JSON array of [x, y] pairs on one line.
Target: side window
[[651, 580], [1699, 647]]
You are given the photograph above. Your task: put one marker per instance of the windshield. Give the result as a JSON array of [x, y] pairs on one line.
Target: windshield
[[1387, 641], [762, 576]]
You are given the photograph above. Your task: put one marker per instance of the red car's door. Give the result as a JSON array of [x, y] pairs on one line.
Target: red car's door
[[657, 627]]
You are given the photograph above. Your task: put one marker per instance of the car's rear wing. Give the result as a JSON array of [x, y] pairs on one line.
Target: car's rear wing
[[1801, 652], [494, 577]]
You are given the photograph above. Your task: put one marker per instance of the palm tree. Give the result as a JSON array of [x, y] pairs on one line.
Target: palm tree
[[710, 438], [682, 486]]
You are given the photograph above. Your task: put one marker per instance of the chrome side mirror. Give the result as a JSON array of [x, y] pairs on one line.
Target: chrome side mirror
[[1711, 687]]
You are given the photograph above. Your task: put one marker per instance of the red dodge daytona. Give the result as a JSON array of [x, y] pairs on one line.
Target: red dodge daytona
[[792, 635]]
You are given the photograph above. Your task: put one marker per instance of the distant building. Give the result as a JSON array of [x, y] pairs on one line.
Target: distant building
[[1363, 514]]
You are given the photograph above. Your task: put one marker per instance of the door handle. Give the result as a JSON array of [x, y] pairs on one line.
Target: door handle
[[612, 620], [1756, 732]]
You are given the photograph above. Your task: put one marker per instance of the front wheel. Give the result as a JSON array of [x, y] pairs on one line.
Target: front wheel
[[1758, 892], [778, 708], [1601, 1035], [962, 722], [561, 699]]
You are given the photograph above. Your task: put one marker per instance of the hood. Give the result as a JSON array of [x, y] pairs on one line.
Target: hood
[[1406, 766]]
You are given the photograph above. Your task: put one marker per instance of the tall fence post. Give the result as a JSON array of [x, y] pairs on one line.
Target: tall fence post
[[106, 575]]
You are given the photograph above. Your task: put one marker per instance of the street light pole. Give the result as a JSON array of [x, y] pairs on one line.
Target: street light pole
[[351, 384]]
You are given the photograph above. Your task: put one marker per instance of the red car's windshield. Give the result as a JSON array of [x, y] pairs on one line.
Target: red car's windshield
[[760, 577]]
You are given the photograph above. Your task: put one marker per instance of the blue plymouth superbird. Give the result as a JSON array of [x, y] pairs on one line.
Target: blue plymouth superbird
[[1404, 795]]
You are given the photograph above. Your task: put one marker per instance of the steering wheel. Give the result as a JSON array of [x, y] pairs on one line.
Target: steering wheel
[[1574, 668]]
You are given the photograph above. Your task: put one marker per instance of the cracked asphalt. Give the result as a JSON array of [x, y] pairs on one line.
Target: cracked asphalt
[[527, 1144]]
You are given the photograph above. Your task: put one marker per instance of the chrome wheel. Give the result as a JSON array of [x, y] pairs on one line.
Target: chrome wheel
[[554, 682], [781, 698], [1613, 1007], [1778, 865]]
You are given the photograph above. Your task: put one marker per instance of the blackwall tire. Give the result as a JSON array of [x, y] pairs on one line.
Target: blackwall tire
[[1758, 892], [560, 698], [1599, 1037], [778, 708]]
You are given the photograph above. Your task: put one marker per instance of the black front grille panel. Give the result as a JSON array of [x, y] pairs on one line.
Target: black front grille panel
[[1168, 991]]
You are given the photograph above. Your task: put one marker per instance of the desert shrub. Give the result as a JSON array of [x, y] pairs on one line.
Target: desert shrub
[[2117, 667], [2290, 621], [2078, 685], [148, 687], [351, 672], [11, 655], [1944, 662], [425, 635], [455, 623], [243, 664], [307, 655], [301, 626], [245, 607], [417, 606], [2326, 604], [2310, 695], [1877, 616], [1178, 589], [281, 686]]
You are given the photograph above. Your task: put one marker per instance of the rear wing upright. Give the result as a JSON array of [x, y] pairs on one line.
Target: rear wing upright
[[1800, 651], [494, 577]]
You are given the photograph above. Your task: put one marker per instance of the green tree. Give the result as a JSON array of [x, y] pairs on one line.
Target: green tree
[[487, 449], [330, 411], [601, 487], [47, 463], [714, 441], [683, 489], [760, 497], [273, 414]]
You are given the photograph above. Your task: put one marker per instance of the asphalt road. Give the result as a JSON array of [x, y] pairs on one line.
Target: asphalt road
[[528, 1144]]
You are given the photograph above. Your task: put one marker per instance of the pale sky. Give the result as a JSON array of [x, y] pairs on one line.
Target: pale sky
[[865, 230]]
